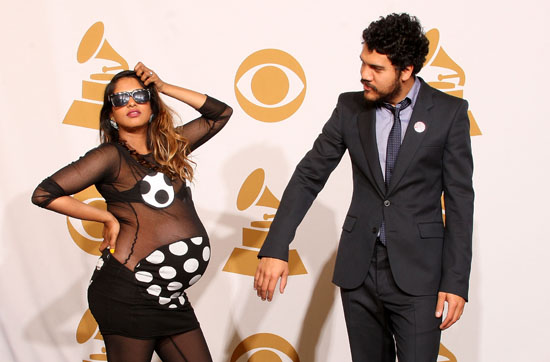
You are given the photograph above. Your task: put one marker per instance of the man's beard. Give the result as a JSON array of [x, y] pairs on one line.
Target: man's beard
[[384, 97]]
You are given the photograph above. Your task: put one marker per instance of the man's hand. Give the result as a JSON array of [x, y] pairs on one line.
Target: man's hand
[[455, 307], [267, 274]]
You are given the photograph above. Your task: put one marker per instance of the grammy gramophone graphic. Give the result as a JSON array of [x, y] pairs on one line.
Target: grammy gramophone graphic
[[453, 78], [451, 81], [244, 260], [85, 113], [88, 331]]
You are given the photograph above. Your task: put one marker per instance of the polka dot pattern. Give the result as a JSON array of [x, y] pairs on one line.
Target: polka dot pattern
[[174, 286], [154, 290], [191, 265], [156, 190], [165, 273], [194, 279], [156, 257], [164, 300], [178, 248], [197, 240], [206, 253], [99, 263], [144, 276]]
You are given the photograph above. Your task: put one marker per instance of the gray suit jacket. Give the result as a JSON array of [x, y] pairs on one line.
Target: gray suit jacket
[[426, 255]]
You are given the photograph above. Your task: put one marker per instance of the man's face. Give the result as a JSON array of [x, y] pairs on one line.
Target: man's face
[[381, 80]]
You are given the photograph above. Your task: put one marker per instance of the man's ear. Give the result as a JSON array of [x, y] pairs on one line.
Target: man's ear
[[407, 73]]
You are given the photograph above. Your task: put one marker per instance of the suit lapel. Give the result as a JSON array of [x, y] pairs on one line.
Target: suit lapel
[[366, 122], [413, 138]]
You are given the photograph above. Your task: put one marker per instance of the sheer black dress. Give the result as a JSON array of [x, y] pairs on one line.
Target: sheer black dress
[[162, 247]]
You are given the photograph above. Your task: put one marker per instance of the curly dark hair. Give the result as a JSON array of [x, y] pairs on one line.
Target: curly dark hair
[[401, 38]]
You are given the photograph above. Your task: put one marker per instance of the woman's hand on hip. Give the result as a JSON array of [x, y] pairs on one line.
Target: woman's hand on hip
[[111, 229]]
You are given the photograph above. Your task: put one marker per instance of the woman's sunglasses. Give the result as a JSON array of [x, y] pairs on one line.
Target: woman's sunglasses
[[121, 99]]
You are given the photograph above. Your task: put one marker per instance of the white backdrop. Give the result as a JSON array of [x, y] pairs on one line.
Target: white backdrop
[[503, 51]]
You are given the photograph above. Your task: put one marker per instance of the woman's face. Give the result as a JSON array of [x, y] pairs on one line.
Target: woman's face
[[132, 115]]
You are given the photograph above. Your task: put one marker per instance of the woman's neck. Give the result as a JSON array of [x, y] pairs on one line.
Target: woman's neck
[[137, 141]]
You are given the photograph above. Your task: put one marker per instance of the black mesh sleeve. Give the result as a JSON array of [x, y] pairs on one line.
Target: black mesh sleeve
[[98, 165], [214, 116]]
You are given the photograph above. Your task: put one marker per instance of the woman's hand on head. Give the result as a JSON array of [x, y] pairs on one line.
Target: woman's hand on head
[[111, 229], [148, 76]]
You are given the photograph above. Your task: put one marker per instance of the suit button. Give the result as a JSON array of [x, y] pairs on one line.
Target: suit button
[[374, 230], [387, 203]]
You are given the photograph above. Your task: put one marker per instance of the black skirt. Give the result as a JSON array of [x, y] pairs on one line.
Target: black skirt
[[148, 302]]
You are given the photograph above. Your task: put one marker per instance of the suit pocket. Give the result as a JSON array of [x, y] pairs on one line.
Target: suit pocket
[[431, 230], [349, 223]]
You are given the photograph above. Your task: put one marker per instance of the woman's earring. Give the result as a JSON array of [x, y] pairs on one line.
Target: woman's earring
[[113, 124], [151, 118]]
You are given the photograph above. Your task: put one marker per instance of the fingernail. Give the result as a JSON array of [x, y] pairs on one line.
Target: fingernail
[[112, 251]]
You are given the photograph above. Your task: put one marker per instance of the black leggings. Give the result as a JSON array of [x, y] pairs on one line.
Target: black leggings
[[185, 347]]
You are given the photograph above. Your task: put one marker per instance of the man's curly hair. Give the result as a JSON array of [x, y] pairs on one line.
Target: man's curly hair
[[401, 38]]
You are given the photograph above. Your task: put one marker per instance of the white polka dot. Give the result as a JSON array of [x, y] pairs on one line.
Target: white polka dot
[[175, 295], [174, 286], [164, 300], [197, 240], [144, 277], [179, 248], [206, 253], [191, 265], [154, 290], [156, 257], [194, 279], [182, 300], [167, 272], [99, 264], [172, 306]]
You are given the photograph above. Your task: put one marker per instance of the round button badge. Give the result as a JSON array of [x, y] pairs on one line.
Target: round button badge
[[419, 127]]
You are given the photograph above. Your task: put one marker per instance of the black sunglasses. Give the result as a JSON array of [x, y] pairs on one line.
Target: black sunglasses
[[121, 99]]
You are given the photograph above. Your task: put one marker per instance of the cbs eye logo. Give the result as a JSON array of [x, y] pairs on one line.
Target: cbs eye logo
[[88, 235], [270, 85], [264, 347]]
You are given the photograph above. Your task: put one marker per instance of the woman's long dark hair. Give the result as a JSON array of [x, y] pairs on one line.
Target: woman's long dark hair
[[170, 149]]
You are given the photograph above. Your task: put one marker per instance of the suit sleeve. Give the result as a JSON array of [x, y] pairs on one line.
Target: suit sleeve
[[307, 181], [459, 205]]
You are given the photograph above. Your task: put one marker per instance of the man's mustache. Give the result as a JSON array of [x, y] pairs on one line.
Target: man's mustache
[[369, 84]]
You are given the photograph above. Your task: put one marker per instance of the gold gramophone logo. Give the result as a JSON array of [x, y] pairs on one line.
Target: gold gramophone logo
[[88, 235], [85, 112], [450, 79], [244, 260], [444, 352], [270, 85], [264, 347], [88, 332], [450, 76]]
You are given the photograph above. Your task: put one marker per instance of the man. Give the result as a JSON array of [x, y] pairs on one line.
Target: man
[[398, 264]]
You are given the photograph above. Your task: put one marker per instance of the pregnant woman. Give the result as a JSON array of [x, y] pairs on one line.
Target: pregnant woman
[[155, 245]]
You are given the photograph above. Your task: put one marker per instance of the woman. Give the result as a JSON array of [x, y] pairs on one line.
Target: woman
[[142, 169]]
